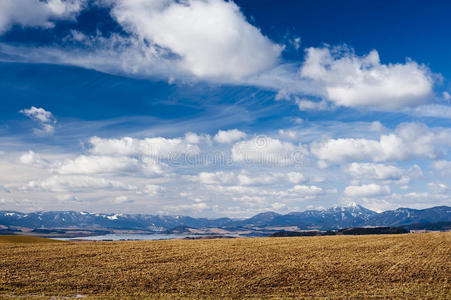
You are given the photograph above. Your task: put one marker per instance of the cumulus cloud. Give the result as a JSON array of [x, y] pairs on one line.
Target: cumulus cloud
[[244, 178], [219, 177], [438, 188], [296, 177], [367, 190], [121, 199], [37, 13], [152, 190], [38, 114], [363, 81], [31, 158], [43, 118], [443, 166], [374, 171], [307, 190], [266, 150], [194, 138], [408, 140], [158, 147], [197, 206], [211, 37], [97, 164], [58, 183], [191, 40], [229, 136], [127, 155], [247, 179]]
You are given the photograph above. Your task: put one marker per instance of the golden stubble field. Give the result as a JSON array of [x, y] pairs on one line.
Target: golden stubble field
[[412, 266]]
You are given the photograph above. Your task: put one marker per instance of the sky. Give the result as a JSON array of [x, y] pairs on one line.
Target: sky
[[215, 108]]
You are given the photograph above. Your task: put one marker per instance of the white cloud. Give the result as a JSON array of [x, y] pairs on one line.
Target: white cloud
[[278, 205], [44, 118], [431, 110], [126, 155], [443, 166], [408, 140], [31, 158], [229, 136], [76, 184], [376, 126], [266, 150], [153, 189], [211, 40], [158, 147], [197, 206], [67, 197], [219, 177], [297, 43], [307, 190], [287, 133], [345, 149], [374, 171], [367, 190], [251, 179], [446, 96], [36, 13], [353, 81], [245, 178], [193, 138], [296, 177], [121, 200], [438, 188], [308, 105], [38, 114], [212, 37], [283, 94], [97, 164]]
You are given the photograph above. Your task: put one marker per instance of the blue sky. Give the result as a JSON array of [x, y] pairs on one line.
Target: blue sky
[[221, 108]]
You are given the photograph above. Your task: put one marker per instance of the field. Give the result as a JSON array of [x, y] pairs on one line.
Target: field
[[411, 266]]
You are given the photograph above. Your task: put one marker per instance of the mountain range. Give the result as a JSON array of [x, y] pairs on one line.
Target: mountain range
[[332, 218]]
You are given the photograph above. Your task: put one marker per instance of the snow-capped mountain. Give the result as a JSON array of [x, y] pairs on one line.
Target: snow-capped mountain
[[332, 218], [68, 219], [405, 216]]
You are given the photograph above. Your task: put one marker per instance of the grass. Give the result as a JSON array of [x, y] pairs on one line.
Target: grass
[[21, 239], [412, 266]]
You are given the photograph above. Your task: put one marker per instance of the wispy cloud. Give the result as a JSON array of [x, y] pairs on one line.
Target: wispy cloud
[[212, 41]]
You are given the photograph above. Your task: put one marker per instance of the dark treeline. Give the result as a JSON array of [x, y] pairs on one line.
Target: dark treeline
[[346, 231]]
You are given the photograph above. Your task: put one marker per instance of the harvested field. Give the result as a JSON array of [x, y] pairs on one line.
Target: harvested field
[[411, 266]]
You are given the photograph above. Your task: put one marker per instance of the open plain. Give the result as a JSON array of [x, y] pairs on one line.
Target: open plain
[[410, 266]]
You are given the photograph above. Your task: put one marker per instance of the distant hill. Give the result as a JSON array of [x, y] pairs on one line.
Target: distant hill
[[404, 216], [332, 218], [73, 219]]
